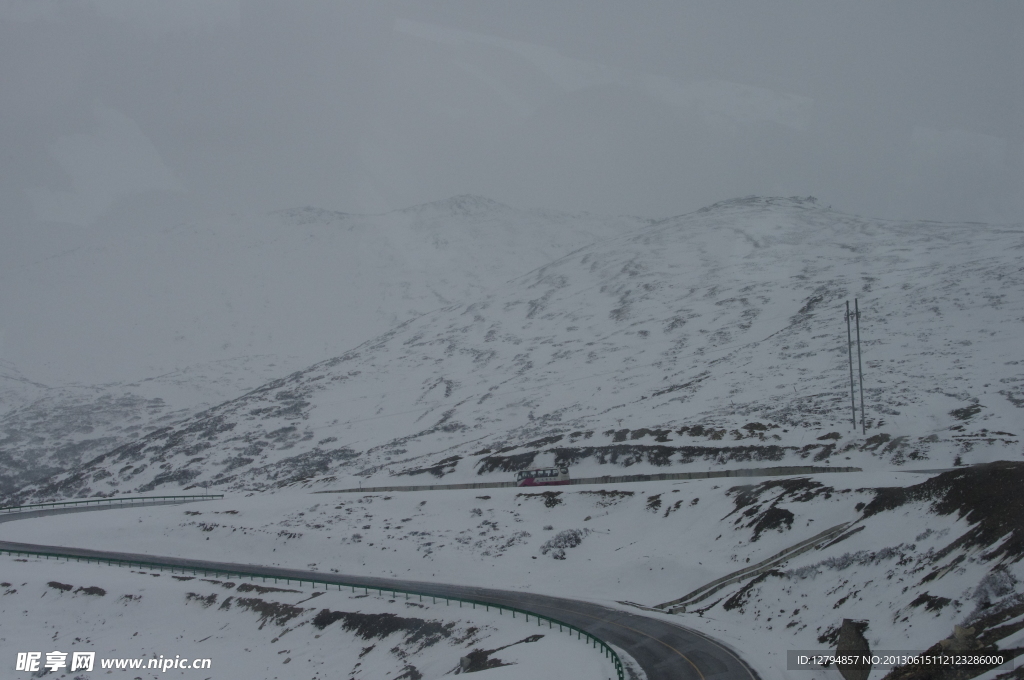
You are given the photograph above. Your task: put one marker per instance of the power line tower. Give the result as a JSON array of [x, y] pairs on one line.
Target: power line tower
[[860, 369], [849, 350], [855, 315]]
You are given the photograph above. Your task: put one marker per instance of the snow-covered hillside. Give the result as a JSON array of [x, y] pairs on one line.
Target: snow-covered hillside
[[45, 430], [208, 311], [299, 284], [709, 339]]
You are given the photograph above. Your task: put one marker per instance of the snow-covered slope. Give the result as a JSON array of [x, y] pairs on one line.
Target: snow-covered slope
[[208, 311], [299, 284], [45, 430], [16, 389], [923, 554], [713, 338]]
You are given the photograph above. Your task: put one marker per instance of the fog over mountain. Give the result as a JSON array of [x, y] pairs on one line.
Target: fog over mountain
[[293, 286], [317, 263], [122, 118], [903, 112], [711, 339]]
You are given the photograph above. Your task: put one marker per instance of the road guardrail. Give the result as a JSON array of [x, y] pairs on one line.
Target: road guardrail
[[563, 627], [114, 500]]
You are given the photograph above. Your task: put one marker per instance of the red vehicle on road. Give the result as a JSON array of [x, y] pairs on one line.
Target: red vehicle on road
[[543, 476]]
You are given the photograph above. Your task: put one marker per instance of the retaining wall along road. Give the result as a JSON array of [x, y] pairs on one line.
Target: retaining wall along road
[[620, 479]]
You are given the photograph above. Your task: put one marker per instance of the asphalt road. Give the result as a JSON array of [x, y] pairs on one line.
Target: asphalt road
[[665, 650]]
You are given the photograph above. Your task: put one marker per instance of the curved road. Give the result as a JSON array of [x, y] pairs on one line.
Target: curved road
[[664, 650]]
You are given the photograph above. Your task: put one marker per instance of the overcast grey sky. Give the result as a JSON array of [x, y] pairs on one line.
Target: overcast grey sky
[[111, 108]]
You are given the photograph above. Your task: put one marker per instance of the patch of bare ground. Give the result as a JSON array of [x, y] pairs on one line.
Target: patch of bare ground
[[757, 505], [606, 498], [550, 498], [369, 626], [480, 659]]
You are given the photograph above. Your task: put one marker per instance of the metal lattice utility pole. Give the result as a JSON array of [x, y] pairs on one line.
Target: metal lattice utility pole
[[849, 349], [860, 368]]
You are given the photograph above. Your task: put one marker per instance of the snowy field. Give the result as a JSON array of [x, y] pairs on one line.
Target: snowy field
[[913, 570]]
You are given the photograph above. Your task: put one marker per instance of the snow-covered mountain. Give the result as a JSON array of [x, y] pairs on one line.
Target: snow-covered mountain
[[208, 311], [712, 338], [45, 430], [295, 285]]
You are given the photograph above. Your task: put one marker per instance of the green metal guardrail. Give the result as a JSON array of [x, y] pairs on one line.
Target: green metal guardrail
[[595, 642], [111, 501]]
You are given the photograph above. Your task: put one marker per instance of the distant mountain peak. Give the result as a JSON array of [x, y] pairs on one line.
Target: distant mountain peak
[[748, 201], [309, 215], [464, 204]]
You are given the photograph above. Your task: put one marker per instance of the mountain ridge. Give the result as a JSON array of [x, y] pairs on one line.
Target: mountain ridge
[[708, 333], [301, 283]]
